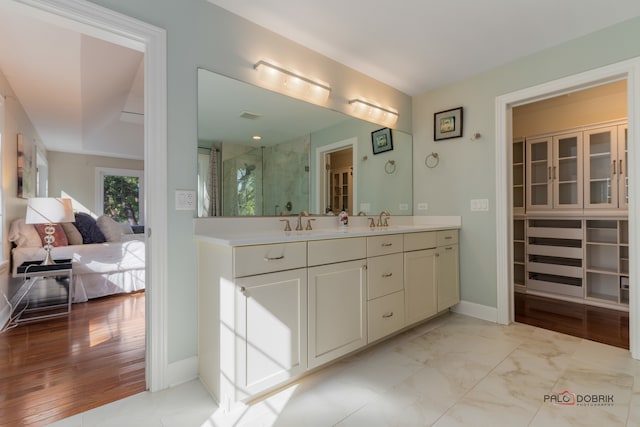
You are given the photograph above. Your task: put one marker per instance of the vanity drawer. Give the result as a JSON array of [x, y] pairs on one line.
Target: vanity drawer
[[336, 250], [385, 315], [421, 240], [384, 245], [447, 237], [259, 259], [384, 275]]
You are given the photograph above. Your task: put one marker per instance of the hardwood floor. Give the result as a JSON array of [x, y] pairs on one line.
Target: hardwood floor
[[55, 368], [593, 323]]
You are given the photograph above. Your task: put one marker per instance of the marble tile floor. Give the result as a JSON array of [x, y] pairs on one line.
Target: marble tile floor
[[452, 371]]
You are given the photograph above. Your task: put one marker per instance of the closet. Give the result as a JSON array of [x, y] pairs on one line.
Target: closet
[[570, 197]]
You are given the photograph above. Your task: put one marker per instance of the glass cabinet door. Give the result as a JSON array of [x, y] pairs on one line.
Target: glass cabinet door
[[538, 159], [623, 176], [601, 168], [567, 171]]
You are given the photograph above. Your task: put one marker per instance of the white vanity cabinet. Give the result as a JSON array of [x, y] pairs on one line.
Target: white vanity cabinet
[[337, 322], [385, 286], [421, 298], [447, 269], [257, 336], [269, 312]]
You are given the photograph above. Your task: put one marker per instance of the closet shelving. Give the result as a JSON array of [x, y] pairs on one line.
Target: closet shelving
[[570, 225]]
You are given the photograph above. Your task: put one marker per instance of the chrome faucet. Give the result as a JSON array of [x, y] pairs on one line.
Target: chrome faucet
[[384, 223], [300, 215]]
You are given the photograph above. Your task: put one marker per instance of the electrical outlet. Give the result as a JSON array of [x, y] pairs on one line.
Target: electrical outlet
[[404, 207], [423, 206], [185, 200]]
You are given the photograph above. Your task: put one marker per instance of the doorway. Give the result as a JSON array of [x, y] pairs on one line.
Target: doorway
[[93, 20], [336, 177], [629, 70], [570, 226]]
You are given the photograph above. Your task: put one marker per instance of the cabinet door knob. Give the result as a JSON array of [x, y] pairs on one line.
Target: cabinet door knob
[[243, 290], [387, 315]]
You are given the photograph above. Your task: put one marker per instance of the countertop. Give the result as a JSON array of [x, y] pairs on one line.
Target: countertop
[[256, 231]]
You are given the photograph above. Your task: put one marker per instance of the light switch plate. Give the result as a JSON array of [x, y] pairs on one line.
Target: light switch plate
[[404, 207], [185, 200], [423, 206], [479, 205]]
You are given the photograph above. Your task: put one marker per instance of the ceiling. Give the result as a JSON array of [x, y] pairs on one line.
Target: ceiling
[[80, 93], [418, 45]]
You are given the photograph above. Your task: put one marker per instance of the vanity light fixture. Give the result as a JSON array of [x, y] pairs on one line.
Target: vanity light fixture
[[291, 83], [373, 113], [256, 137]]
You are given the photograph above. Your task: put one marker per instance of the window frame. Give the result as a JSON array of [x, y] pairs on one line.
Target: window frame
[[102, 172]]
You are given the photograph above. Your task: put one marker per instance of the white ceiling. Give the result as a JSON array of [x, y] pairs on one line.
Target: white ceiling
[[417, 45], [80, 93]]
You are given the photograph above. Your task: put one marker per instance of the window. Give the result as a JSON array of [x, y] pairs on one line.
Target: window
[[119, 194], [2, 249]]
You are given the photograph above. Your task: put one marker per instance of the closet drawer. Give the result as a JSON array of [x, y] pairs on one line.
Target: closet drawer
[[421, 240], [447, 237], [384, 275], [336, 250], [259, 259], [384, 245], [385, 315]]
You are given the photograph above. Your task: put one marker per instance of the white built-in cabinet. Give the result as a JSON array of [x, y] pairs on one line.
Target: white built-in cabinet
[[337, 298], [554, 172], [268, 313], [271, 327], [570, 238], [606, 167], [447, 269]]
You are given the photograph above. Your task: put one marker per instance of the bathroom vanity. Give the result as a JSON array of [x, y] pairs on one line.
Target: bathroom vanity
[[274, 304]]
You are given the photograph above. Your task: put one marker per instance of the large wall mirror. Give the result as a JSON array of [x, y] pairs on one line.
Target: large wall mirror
[[261, 153]]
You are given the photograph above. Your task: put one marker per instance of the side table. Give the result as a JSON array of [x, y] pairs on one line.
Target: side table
[[47, 291]]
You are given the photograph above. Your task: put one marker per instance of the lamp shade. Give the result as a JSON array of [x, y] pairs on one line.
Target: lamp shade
[[49, 210]]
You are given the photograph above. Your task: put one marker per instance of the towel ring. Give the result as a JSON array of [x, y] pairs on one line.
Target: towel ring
[[432, 160], [390, 166]]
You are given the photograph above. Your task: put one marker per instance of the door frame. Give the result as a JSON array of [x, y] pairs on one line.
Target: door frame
[[321, 177], [97, 21], [629, 70]]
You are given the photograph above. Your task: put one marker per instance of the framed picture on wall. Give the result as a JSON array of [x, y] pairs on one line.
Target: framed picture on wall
[[447, 124], [26, 169], [381, 140]]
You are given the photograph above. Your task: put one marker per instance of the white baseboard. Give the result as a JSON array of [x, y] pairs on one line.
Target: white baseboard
[[182, 371], [478, 311]]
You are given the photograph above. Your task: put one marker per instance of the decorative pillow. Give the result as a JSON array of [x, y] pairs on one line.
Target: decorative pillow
[[73, 235], [110, 228], [88, 229], [59, 235], [24, 235]]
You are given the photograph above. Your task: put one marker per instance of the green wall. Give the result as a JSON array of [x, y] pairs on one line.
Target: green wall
[[200, 34], [467, 168]]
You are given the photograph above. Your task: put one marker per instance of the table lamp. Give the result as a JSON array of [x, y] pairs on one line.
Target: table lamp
[[49, 210]]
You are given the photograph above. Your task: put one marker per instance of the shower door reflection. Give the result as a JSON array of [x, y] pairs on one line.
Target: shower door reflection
[[265, 181]]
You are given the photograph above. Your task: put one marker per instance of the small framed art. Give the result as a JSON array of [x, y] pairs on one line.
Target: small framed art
[[381, 140], [447, 124]]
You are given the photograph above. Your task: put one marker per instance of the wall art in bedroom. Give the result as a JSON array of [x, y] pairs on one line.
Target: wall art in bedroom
[[26, 169]]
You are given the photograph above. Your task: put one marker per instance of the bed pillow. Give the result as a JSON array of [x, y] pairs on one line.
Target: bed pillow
[[24, 235], [59, 235], [88, 229], [73, 235], [110, 228]]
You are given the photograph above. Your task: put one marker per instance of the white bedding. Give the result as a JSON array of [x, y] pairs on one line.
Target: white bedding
[[99, 269]]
